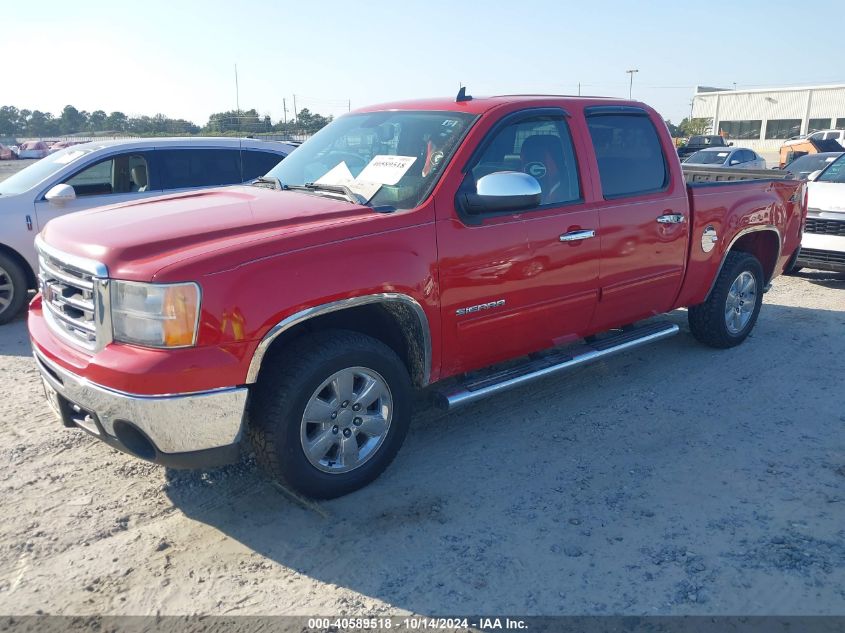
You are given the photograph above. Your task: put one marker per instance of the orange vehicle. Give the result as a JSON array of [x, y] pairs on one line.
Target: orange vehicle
[[796, 148]]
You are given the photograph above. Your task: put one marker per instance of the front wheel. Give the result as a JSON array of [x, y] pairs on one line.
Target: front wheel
[[728, 315], [330, 412]]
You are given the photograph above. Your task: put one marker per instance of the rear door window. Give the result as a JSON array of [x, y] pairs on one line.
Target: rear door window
[[187, 168], [258, 163], [629, 154]]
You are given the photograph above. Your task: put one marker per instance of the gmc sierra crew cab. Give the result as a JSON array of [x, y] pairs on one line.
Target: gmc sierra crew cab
[[491, 241]]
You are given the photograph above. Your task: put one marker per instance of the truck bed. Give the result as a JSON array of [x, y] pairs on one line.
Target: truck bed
[[695, 174]]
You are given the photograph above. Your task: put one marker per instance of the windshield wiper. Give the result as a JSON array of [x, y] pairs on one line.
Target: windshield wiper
[[357, 198], [268, 180], [311, 187]]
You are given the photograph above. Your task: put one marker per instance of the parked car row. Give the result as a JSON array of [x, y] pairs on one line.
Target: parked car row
[[107, 173]]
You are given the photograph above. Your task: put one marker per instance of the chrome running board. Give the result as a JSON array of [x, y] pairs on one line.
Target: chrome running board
[[552, 362]]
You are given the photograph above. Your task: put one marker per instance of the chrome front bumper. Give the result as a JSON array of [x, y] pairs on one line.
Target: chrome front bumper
[[203, 428]]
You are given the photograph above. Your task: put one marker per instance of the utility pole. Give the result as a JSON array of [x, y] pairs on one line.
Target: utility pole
[[579, 88], [631, 84], [285, 110], [295, 114], [349, 105], [237, 98], [237, 92]]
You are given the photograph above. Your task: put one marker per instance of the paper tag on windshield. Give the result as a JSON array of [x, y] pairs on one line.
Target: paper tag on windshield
[[365, 189], [340, 175], [337, 175], [722, 154], [386, 170]]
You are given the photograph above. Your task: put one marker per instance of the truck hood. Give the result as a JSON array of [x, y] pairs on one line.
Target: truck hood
[[134, 240], [826, 196]]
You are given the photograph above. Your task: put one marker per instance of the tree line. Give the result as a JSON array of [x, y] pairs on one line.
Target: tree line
[[35, 123]]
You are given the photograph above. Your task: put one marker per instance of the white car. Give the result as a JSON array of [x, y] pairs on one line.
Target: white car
[[828, 135], [109, 172], [823, 244], [737, 157]]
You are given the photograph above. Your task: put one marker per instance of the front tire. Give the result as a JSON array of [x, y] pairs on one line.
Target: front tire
[[13, 288], [329, 414], [728, 315]]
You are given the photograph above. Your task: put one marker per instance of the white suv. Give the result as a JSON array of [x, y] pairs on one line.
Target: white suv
[[103, 173], [823, 244]]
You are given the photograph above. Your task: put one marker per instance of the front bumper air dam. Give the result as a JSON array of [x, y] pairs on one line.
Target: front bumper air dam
[[193, 430]]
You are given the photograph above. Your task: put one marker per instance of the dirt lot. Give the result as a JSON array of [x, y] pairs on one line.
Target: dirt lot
[[674, 479]]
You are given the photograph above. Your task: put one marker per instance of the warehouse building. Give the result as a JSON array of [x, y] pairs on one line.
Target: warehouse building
[[763, 119]]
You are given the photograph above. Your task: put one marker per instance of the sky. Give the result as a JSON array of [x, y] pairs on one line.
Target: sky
[[178, 57]]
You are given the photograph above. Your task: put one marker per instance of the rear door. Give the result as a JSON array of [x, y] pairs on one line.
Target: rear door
[[643, 216], [110, 180]]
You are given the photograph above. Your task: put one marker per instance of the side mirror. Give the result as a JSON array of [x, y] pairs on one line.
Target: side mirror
[[812, 177], [60, 194], [734, 162], [504, 191], [730, 144]]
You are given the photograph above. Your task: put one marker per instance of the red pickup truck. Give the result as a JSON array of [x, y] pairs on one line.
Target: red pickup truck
[[401, 245]]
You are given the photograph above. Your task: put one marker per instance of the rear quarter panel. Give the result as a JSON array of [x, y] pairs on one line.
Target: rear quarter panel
[[734, 209]]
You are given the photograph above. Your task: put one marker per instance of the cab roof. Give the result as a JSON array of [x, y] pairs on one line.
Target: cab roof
[[480, 105]]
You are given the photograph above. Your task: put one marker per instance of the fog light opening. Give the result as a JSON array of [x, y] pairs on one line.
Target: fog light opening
[[134, 441]]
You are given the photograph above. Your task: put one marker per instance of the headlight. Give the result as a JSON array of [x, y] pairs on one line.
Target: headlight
[[155, 315]]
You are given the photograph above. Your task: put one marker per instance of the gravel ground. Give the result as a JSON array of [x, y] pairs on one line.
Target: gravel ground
[[675, 479]]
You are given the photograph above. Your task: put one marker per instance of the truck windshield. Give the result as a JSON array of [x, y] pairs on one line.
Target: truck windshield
[[390, 158], [708, 158], [835, 172], [27, 178]]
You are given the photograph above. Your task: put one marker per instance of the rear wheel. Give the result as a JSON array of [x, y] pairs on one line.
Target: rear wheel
[[330, 416], [13, 288], [729, 314]]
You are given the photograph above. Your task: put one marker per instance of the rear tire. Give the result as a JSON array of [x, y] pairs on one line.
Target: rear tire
[[13, 288], [729, 314], [345, 396]]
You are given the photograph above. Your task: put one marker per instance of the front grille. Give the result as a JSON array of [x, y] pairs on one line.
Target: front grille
[[71, 297], [825, 227], [810, 255]]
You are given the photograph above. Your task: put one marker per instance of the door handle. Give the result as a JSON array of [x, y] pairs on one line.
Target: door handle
[[671, 218], [577, 236]]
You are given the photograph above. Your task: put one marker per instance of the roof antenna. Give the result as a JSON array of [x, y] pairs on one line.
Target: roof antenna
[[462, 95]]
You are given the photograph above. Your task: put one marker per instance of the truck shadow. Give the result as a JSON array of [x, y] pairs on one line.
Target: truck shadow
[[558, 497]]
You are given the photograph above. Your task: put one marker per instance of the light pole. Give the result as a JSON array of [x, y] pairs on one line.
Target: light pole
[[631, 83]]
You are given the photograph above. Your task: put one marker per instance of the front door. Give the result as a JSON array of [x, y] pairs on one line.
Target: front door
[[509, 284]]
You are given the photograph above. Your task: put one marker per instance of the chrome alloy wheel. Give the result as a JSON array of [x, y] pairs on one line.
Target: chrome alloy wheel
[[346, 420], [739, 306], [7, 289]]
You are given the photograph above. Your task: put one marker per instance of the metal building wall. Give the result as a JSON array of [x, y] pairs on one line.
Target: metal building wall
[[802, 103]]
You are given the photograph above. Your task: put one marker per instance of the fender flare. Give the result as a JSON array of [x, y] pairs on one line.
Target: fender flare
[[335, 306], [743, 232]]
